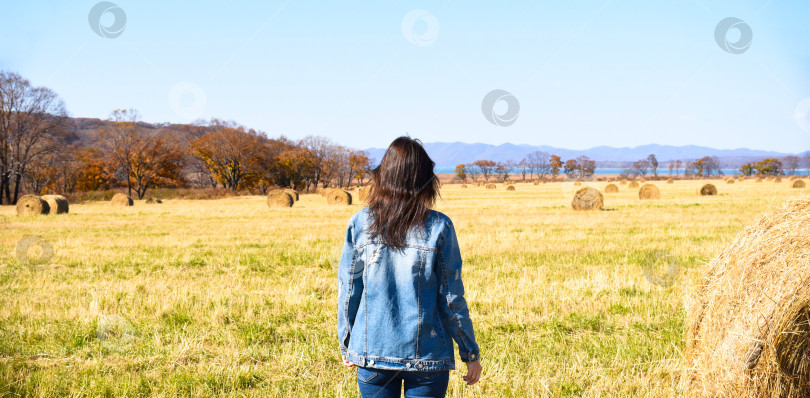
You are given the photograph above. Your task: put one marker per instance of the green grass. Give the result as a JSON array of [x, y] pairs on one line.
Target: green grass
[[227, 297]]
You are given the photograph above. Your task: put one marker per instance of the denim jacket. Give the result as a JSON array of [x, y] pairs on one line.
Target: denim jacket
[[402, 309]]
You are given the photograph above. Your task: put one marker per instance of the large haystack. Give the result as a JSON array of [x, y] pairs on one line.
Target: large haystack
[[632, 184], [587, 199], [798, 184], [708, 190], [57, 204], [648, 192], [32, 204], [611, 188], [339, 197], [749, 319], [280, 198], [120, 199]]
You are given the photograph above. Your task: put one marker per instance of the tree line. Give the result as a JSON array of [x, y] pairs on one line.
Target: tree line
[[42, 150]]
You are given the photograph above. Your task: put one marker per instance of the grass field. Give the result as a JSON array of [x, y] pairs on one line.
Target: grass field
[[228, 297]]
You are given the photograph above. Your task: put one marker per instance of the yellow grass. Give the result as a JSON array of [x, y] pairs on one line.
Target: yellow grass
[[230, 297]]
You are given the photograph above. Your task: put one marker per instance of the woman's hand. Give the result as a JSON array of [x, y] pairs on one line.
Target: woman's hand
[[473, 373], [346, 362]]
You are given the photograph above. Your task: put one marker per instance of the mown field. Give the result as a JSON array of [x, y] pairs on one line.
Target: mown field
[[228, 297]]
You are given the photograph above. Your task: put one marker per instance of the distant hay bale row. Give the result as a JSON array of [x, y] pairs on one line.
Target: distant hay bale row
[[649, 192], [120, 199], [747, 323], [708, 190], [611, 188], [48, 204], [587, 199]]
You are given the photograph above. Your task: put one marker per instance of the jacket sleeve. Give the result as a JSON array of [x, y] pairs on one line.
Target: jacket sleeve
[[453, 306], [350, 289]]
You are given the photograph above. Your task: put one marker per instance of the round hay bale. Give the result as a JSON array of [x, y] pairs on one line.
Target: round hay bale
[[153, 201], [577, 183], [632, 184], [463, 185], [777, 180], [730, 181], [708, 190], [623, 182], [798, 184], [758, 180], [648, 192], [748, 333], [120, 199], [642, 181], [339, 197], [32, 204], [292, 193], [611, 188], [510, 188], [536, 182], [57, 204], [670, 181], [363, 192], [490, 186], [280, 198], [587, 199]]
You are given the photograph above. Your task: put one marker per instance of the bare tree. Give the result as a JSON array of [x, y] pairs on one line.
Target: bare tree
[[791, 164], [32, 121]]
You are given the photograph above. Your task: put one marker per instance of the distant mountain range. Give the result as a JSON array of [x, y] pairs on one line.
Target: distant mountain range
[[449, 154]]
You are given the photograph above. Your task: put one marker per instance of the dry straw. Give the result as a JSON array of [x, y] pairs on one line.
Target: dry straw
[[649, 191], [798, 184], [339, 197], [749, 319], [57, 204], [632, 184], [120, 199], [708, 190], [32, 204], [510, 188], [280, 198], [611, 188], [292, 193], [587, 199]]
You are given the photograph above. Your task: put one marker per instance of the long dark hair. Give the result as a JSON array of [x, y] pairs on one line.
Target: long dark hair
[[403, 189]]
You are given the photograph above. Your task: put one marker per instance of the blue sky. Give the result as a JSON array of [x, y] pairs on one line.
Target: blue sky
[[585, 73]]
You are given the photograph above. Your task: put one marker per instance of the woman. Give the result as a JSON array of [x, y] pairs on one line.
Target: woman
[[401, 299]]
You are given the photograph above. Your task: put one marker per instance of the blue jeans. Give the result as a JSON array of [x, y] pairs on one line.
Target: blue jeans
[[381, 383]]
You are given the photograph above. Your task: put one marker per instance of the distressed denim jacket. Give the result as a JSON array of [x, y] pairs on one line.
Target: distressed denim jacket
[[402, 309]]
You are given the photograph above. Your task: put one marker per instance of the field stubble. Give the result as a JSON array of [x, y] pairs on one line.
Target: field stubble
[[228, 297]]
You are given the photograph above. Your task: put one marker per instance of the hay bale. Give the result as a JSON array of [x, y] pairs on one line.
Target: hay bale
[[670, 181], [748, 333], [611, 188], [120, 199], [339, 197], [587, 199], [777, 180], [490, 186], [536, 182], [708, 190], [577, 183], [463, 185], [648, 192], [730, 181], [57, 204], [642, 181], [798, 184], [758, 180], [623, 182], [362, 192], [510, 188], [632, 184], [280, 198], [292, 193], [152, 200], [32, 204]]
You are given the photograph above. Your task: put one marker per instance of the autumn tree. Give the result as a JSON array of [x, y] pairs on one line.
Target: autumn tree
[[485, 168], [232, 155], [461, 172], [359, 164], [555, 165]]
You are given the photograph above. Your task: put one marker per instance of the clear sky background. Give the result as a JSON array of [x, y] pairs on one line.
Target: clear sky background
[[585, 73]]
